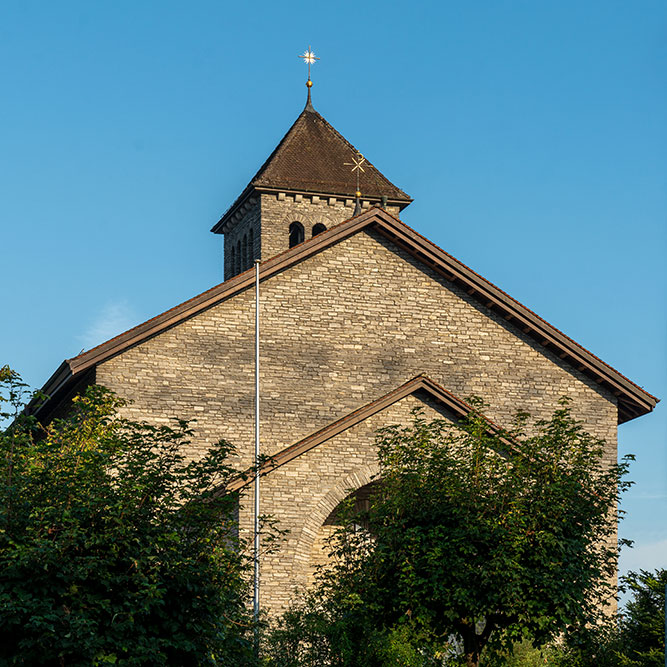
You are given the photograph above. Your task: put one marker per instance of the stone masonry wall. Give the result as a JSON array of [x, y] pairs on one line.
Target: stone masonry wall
[[339, 329], [281, 209], [249, 218], [269, 217]]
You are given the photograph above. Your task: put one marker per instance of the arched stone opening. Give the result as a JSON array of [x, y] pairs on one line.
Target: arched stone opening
[[360, 500], [315, 517], [297, 234], [318, 228]]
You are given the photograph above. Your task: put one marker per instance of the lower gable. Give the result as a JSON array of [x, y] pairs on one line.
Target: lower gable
[[305, 491], [421, 386]]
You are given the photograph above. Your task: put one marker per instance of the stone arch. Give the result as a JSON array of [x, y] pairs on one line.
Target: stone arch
[[317, 515], [328, 216]]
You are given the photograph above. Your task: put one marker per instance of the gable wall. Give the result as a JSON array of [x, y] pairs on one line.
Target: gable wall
[[339, 330]]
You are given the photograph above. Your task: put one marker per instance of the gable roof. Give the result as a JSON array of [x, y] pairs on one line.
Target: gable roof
[[420, 383], [311, 158], [633, 401]]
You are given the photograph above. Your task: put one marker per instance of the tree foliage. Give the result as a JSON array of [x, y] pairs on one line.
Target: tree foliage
[[475, 539], [643, 620], [113, 547], [635, 637]]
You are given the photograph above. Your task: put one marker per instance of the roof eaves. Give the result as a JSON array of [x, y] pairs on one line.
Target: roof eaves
[[333, 193], [62, 375], [219, 227], [481, 287]]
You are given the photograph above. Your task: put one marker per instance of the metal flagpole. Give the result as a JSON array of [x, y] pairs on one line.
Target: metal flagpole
[[256, 586]]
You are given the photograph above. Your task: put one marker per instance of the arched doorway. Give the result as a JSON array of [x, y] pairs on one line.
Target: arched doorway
[[320, 549]]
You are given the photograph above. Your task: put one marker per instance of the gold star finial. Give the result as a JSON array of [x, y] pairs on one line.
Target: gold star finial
[[310, 58], [356, 165]]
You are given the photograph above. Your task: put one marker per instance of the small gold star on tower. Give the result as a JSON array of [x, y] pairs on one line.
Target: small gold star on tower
[[356, 165]]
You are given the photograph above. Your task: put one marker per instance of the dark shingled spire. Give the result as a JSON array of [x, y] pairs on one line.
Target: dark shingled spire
[[309, 104], [311, 158]]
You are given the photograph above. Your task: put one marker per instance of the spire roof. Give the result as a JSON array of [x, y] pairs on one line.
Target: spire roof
[[311, 157]]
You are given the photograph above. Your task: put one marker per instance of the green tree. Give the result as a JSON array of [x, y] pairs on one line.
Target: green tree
[[633, 638], [643, 620], [475, 539], [113, 547]]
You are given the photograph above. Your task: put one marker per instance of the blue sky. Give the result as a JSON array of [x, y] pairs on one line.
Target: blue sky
[[533, 137]]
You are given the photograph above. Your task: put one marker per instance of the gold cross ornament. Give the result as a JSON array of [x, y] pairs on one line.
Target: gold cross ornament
[[356, 166]]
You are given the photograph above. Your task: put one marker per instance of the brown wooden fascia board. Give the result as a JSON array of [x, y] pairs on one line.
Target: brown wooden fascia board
[[491, 295], [62, 375], [419, 383]]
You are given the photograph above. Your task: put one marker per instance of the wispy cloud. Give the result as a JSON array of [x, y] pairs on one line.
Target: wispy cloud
[[113, 318]]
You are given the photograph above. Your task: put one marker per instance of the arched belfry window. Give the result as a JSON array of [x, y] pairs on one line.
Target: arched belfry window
[[318, 229], [232, 259], [296, 234], [244, 257], [239, 259], [251, 247]]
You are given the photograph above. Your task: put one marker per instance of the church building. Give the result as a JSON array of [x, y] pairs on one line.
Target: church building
[[362, 320]]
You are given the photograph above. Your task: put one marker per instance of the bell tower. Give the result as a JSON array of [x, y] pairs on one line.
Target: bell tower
[[306, 185]]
